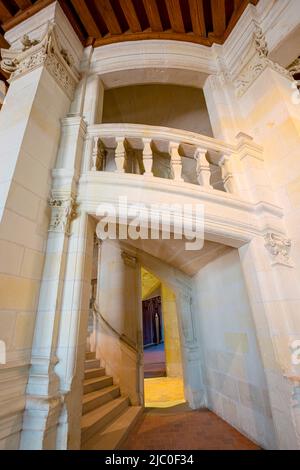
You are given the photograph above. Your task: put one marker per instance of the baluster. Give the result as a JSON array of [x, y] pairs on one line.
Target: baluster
[[147, 157], [227, 174], [202, 168], [95, 154], [120, 155], [176, 162], [98, 155]]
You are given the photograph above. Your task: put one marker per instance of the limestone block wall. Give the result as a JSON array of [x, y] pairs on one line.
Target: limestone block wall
[[234, 377]]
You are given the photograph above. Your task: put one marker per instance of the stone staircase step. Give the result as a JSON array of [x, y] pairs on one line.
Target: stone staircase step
[[91, 364], [96, 420], [90, 355], [91, 385], [92, 373], [93, 400], [113, 436]]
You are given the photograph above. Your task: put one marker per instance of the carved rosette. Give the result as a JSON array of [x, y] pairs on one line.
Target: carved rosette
[[258, 63], [47, 52], [64, 211], [279, 248]]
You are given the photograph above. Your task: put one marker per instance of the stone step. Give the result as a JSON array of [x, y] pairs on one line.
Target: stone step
[[91, 364], [91, 385], [96, 420], [92, 373], [90, 355], [93, 400], [113, 436]]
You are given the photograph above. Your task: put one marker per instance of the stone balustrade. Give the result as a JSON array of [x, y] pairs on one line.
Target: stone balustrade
[[161, 152]]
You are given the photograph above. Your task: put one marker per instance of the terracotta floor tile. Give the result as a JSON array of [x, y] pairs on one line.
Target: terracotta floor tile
[[180, 428]]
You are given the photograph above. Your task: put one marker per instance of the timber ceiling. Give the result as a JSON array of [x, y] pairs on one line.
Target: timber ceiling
[[100, 22]]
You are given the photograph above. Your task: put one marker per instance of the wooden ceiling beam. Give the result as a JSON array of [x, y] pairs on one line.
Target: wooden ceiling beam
[[5, 14], [130, 15], [24, 15], [197, 17], [3, 43], [109, 17], [236, 16], [218, 17], [153, 15], [23, 4], [86, 18], [175, 15], [169, 35]]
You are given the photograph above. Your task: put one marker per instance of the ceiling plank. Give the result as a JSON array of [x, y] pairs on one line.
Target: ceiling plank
[[108, 14], [130, 15], [218, 16], [175, 15], [153, 15], [236, 16], [14, 21], [22, 4], [86, 18], [5, 14], [197, 16]]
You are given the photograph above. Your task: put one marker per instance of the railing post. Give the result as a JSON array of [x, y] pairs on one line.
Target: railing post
[[227, 174], [147, 157], [120, 155], [203, 168], [176, 162]]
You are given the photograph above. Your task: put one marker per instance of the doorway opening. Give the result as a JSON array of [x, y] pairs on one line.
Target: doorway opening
[[163, 374]]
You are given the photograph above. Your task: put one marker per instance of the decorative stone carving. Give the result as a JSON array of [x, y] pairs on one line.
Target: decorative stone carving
[[257, 64], [47, 52], [27, 42], [64, 210], [294, 68], [279, 248], [129, 259], [260, 42]]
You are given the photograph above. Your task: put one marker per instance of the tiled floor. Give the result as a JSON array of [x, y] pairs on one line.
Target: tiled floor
[[180, 428], [163, 392]]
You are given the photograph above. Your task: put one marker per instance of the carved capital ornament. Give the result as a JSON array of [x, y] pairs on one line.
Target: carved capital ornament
[[279, 248], [35, 53], [64, 211]]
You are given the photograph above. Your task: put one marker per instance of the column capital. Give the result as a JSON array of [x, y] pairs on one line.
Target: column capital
[[64, 211], [46, 51], [279, 248]]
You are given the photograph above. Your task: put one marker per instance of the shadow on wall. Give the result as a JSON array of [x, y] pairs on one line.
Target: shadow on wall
[[174, 106]]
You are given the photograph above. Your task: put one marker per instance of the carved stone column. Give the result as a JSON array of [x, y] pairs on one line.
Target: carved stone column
[[43, 78]]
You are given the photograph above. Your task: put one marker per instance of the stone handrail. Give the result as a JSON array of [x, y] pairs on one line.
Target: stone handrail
[[175, 144], [121, 337], [178, 144]]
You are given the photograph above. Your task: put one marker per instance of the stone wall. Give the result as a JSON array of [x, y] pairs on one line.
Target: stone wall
[[234, 377]]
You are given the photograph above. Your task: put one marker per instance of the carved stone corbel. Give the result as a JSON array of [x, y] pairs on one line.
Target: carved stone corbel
[[64, 211], [279, 248], [48, 52]]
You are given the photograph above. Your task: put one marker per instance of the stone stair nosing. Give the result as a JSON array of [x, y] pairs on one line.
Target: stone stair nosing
[[95, 420], [113, 436]]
